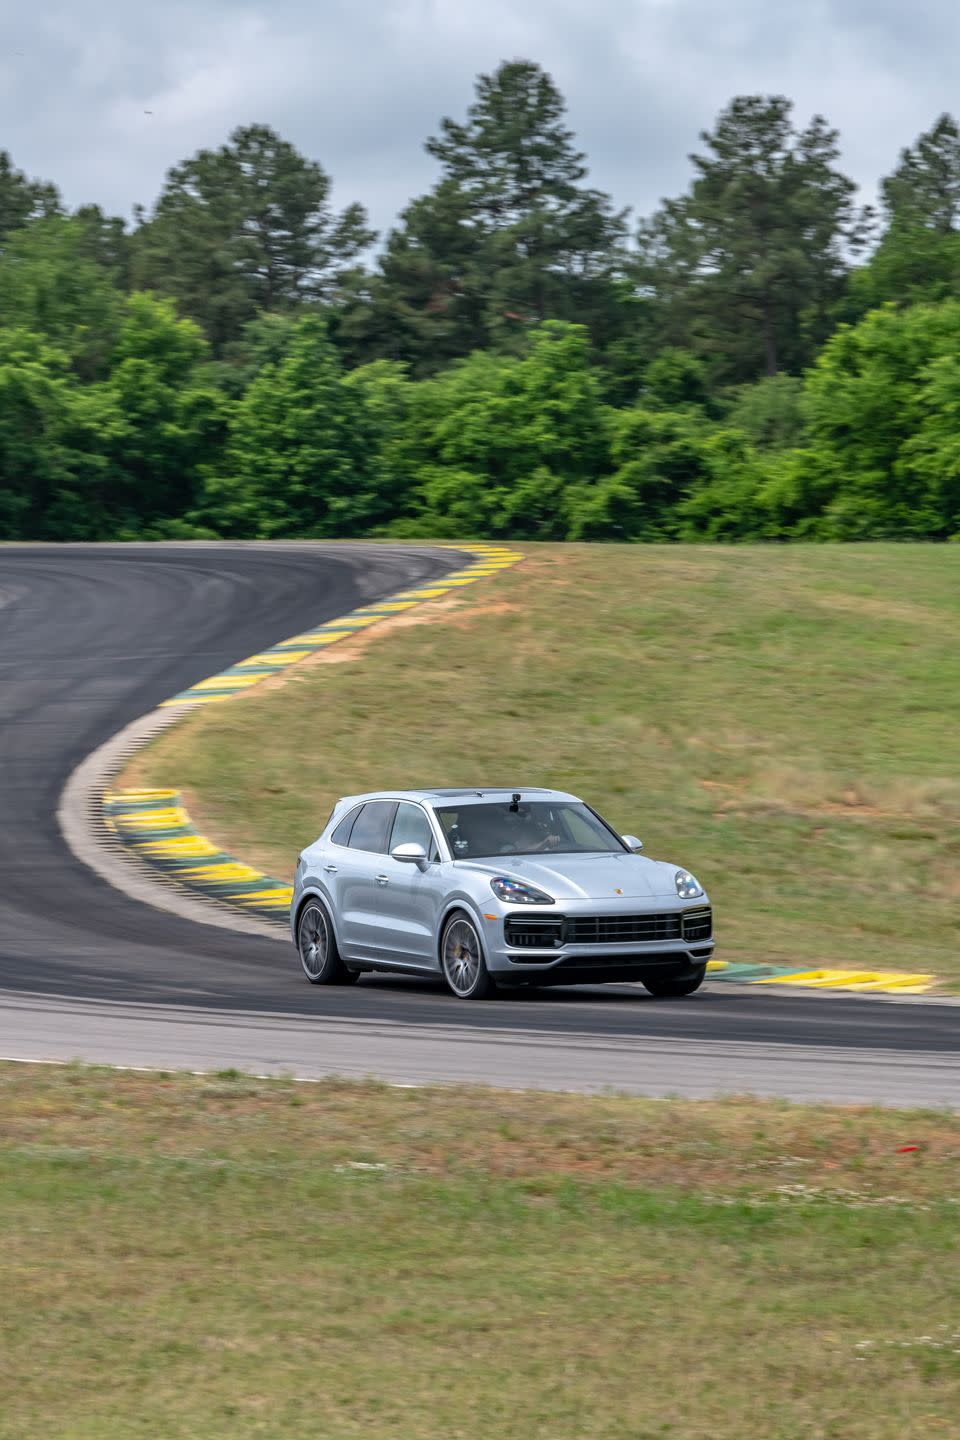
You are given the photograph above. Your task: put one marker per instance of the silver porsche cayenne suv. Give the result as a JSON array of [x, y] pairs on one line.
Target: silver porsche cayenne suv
[[489, 889]]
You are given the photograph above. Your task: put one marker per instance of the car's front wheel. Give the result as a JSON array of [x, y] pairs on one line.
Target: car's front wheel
[[317, 948], [461, 955], [674, 989]]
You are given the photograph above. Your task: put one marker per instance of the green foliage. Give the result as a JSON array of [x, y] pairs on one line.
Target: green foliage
[[109, 459], [676, 477], [299, 455], [50, 282], [875, 430], [771, 412], [35, 405], [170, 426], [498, 442], [675, 379]]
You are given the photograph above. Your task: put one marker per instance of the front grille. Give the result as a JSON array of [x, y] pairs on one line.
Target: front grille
[[620, 929], [546, 932]]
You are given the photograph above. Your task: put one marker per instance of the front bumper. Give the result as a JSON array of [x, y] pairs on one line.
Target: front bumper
[[596, 942]]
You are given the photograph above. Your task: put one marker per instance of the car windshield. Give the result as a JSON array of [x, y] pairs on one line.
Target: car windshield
[[531, 828]]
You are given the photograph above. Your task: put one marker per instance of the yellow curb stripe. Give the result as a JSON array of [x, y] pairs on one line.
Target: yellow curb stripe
[[188, 698], [420, 594], [226, 871], [194, 846], [171, 820], [225, 682], [280, 896], [829, 979]]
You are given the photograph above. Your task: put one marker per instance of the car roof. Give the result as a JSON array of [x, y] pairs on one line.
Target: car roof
[[476, 795]]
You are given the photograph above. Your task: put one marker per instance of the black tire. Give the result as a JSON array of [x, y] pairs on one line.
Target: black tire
[[317, 947], [462, 960], [675, 989]]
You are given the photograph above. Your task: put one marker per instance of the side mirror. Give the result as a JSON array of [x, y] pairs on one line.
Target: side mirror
[[631, 842], [412, 853]]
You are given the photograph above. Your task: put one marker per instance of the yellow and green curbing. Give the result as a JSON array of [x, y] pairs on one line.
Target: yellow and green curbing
[[156, 827], [154, 824]]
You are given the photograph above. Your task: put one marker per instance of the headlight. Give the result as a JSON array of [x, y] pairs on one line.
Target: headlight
[[688, 886], [514, 892]]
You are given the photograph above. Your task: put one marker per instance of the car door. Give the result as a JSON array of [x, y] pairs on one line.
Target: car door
[[358, 864], [409, 898]]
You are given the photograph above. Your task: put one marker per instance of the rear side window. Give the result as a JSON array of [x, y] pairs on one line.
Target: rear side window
[[412, 827], [372, 826], [341, 836]]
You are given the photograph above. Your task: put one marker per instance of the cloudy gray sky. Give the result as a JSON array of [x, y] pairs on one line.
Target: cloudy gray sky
[[358, 84]]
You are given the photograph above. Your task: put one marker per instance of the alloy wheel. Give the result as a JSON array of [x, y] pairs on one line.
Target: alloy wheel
[[313, 941], [462, 960]]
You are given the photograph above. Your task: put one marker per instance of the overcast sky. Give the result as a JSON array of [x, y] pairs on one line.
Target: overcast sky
[[359, 84]]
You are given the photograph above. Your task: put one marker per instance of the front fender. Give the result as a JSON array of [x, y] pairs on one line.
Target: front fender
[[461, 901]]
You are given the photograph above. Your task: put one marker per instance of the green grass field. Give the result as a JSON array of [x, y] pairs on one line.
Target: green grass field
[[782, 720], [196, 1257]]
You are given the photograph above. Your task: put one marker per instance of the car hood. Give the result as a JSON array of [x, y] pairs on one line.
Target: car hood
[[593, 877]]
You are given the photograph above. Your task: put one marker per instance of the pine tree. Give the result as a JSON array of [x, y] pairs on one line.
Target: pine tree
[[508, 237], [924, 190], [247, 228], [22, 199], [746, 266]]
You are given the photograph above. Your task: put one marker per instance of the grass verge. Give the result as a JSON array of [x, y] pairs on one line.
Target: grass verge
[[221, 1256], [779, 719]]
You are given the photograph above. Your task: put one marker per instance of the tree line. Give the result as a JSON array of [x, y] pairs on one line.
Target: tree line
[[762, 358]]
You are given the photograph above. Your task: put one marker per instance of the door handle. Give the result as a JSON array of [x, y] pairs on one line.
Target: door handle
[[330, 869], [382, 879]]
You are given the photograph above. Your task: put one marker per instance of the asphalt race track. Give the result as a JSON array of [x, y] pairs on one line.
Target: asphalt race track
[[92, 637]]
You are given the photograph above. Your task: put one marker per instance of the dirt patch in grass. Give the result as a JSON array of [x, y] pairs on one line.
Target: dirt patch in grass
[[781, 720]]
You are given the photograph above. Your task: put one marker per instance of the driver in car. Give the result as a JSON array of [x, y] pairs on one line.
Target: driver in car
[[531, 835]]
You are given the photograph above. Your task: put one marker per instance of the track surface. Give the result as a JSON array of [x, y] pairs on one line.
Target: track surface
[[91, 637]]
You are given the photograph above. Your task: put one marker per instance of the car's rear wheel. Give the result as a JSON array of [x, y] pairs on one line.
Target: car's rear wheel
[[674, 989], [317, 948], [461, 955]]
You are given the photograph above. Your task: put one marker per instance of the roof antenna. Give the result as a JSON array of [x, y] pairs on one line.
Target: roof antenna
[[515, 803]]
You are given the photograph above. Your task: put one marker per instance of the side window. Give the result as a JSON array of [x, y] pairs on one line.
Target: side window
[[412, 827], [372, 826], [341, 836]]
